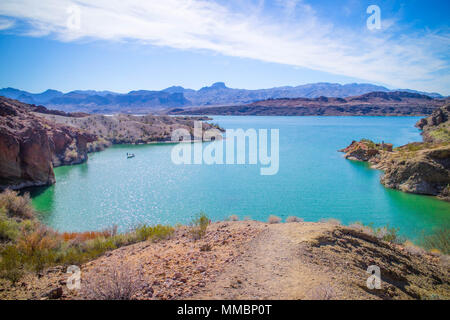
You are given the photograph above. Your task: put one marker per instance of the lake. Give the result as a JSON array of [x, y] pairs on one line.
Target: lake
[[314, 182]]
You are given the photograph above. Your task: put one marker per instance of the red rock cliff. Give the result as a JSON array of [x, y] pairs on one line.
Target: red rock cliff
[[30, 146]]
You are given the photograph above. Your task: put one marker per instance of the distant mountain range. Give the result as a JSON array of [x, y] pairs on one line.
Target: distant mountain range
[[217, 94], [378, 103]]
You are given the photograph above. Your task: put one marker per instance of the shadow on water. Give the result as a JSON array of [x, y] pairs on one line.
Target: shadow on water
[[34, 191], [43, 199]]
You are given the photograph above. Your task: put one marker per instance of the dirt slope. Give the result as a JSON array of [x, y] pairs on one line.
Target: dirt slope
[[255, 260]]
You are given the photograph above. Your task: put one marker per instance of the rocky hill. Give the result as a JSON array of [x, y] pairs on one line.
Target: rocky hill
[[419, 167], [370, 104], [123, 128], [30, 146]]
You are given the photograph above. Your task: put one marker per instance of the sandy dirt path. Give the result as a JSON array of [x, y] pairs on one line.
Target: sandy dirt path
[[274, 265]]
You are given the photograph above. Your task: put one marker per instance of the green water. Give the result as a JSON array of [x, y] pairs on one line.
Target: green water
[[314, 182]]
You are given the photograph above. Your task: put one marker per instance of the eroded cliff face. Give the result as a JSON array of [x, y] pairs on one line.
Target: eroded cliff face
[[31, 146], [419, 167], [436, 127], [425, 171]]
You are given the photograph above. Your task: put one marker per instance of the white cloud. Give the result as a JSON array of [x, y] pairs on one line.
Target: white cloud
[[241, 30], [6, 24]]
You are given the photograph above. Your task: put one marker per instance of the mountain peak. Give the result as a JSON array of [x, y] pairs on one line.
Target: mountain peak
[[214, 86], [219, 85]]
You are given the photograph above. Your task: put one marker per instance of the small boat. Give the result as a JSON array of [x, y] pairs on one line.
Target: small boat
[[130, 155]]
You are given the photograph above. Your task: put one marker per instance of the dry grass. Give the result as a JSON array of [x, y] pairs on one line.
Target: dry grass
[[16, 206], [322, 292], [438, 240], [385, 233], [112, 283], [293, 219], [362, 228], [199, 225], [413, 249], [89, 235], [156, 233], [274, 219], [331, 221]]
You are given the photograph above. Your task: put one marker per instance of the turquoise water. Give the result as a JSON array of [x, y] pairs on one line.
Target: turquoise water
[[314, 182]]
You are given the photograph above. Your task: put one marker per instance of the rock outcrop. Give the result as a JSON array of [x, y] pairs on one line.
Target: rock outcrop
[[30, 146], [419, 167], [424, 171], [365, 150], [436, 127]]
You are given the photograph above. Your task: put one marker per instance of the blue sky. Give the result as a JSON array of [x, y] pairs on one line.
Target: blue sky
[[122, 46]]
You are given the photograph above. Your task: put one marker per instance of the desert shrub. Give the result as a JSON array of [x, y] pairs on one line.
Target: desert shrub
[[369, 143], [16, 206], [233, 217], [89, 235], [322, 292], [9, 228], [113, 283], [388, 234], [11, 262], [361, 227], [206, 247], [124, 239], [293, 219], [158, 232], [414, 146], [274, 219], [39, 248], [385, 233], [413, 249], [199, 225], [100, 245], [74, 255], [442, 134], [439, 239], [330, 221]]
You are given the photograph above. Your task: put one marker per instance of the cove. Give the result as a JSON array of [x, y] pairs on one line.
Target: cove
[[314, 182]]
